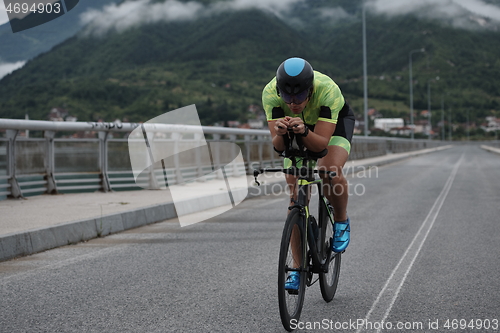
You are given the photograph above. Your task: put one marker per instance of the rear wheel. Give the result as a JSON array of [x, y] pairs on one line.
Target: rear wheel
[[328, 281], [292, 258]]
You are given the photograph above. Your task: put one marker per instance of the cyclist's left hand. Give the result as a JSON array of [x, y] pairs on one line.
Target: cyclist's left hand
[[297, 124]]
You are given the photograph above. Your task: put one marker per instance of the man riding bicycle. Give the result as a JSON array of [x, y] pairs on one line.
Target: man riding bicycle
[[312, 105]]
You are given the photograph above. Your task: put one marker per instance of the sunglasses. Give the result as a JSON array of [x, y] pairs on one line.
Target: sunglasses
[[295, 99]]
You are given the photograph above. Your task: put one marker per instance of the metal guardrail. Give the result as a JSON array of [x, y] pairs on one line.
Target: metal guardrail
[[32, 166]]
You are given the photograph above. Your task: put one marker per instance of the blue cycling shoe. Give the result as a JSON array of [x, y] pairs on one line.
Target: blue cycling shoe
[[292, 282], [341, 237]]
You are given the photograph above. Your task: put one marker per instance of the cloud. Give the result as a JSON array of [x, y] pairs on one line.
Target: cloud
[[461, 13], [7, 68], [337, 13], [480, 8], [276, 7], [3, 14], [131, 14], [135, 13]]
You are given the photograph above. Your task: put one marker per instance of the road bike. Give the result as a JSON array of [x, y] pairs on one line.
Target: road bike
[[306, 243]]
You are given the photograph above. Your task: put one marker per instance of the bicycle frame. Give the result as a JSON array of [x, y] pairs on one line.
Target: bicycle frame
[[312, 236], [306, 178], [305, 181]]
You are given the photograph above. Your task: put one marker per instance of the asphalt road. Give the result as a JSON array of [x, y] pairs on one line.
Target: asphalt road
[[424, 257]]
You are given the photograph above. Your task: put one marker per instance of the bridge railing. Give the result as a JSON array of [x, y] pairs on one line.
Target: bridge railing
[[52, 164]]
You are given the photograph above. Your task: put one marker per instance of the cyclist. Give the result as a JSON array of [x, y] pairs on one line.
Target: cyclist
[[312, 104]]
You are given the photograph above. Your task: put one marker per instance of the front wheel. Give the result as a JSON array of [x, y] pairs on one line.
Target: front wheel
[[328, 281], [292, 260]]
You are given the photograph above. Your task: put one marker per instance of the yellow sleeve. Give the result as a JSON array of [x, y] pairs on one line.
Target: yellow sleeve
[[271, 100]]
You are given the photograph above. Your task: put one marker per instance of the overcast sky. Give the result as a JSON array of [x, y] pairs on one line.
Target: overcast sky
[[173, 9], [455, 10], [3, 14], [444, 7], [112, 17], [131, 14], [135, 13]]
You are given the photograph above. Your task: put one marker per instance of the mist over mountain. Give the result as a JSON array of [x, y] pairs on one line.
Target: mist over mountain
[[468, 14], [119, 18], [142, 58]]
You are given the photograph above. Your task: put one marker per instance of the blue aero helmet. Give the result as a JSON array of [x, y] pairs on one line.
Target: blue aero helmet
[[294, 80]]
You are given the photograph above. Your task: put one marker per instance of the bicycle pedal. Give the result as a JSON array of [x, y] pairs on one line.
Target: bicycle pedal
[[292, 292]]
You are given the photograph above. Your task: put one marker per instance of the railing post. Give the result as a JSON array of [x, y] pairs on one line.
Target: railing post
[[49, 162], [15, 189], [103, 149], [176, 136], [248, 146], [216, 157], [197, 143], [232, 138], [152, 181], [261, 157], [273, 155]]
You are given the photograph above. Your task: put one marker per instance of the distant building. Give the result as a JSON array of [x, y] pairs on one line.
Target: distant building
[[422, 126], [386, 124], [58, 114], [233, 123], [253, 108], [492, 125], [373, 114], [256, 123], [358, 127], [406, 130]]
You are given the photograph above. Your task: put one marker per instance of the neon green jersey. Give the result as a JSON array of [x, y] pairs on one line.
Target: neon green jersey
[[326, 93]]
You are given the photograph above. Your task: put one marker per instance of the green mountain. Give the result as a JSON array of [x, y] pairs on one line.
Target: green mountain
[[220, 62]]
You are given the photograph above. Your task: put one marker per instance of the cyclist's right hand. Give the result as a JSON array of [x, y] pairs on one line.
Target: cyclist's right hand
[[285, 125], [281, 126]]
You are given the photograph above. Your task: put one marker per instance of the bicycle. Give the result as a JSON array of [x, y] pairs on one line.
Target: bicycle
[[312, 240]]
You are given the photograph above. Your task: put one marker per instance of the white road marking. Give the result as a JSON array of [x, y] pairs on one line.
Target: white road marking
[[385, 300]]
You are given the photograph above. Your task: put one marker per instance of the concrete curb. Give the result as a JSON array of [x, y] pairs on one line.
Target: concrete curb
[[491, 149], [42, 239], [37, 240]]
